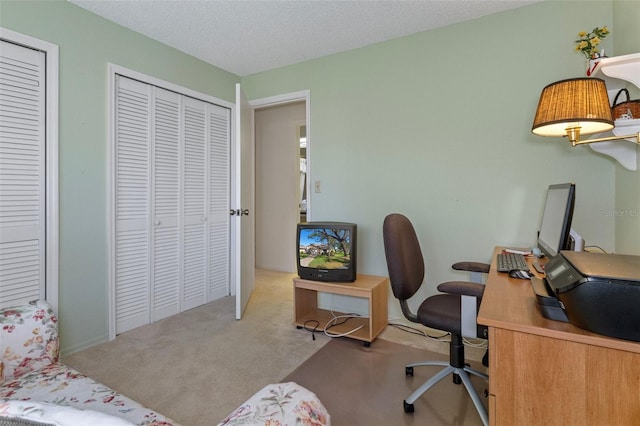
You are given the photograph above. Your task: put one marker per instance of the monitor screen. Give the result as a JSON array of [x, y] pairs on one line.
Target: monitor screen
[[556, 219]]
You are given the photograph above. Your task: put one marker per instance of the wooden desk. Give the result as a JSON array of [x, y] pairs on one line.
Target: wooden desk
[[544, 372]]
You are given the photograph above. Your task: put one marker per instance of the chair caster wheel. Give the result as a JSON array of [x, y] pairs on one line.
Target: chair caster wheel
[[408, 371], [408, 408]]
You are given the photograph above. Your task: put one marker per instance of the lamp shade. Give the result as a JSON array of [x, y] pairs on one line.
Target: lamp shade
[[580, 104]]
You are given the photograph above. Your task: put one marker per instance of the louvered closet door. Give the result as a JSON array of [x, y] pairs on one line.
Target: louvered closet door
[[22, 174], [132, 205], [195, 247], [171, 203], [219, 180], [165, 266]]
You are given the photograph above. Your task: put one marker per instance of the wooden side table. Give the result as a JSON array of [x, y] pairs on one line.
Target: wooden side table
[[370, 287]]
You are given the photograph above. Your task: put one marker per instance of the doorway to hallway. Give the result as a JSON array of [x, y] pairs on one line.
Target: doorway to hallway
[[280, 185]]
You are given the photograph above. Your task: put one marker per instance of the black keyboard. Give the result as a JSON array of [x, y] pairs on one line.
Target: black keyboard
[[509, 261]]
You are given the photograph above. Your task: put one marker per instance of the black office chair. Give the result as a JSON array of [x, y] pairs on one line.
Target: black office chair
[[454, 312]]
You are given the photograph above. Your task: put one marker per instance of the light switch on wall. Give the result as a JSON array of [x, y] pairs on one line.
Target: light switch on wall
[[316, 185]]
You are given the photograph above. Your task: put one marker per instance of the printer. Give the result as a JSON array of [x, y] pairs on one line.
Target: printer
[[598, 292]]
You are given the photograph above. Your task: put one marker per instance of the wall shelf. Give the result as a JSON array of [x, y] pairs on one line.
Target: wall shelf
[[617, 73]]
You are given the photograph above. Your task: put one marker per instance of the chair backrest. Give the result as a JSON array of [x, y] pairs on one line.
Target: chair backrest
[[405, 263]]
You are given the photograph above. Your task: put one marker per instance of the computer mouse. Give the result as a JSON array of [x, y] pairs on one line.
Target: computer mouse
[[521, 274]]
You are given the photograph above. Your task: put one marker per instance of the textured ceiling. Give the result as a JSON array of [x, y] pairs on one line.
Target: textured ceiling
[[249, 36]]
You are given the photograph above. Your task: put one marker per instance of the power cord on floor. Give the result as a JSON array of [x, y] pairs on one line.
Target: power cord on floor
[[333, 322], [442, 338], [475, 343], [413, 330], [314, 329]]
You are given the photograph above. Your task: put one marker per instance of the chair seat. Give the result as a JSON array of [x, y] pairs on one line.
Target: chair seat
[[441, 312]]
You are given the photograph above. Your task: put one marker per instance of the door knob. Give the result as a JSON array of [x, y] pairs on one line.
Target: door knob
[[245, 212]]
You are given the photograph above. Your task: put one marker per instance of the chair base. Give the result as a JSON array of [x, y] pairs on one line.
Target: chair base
[[463, 373]]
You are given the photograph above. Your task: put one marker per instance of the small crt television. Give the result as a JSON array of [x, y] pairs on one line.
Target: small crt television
[[327, 251]]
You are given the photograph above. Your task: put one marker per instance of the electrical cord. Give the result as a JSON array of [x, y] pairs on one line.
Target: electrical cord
[[482, 344], [335, 318], [598, 247], [412, 330], [333, 322], [314, 329]]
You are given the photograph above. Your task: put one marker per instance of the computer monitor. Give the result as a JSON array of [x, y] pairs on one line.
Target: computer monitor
[[556, 219]]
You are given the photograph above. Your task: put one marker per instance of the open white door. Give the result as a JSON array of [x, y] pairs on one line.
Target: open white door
[[242, 210]]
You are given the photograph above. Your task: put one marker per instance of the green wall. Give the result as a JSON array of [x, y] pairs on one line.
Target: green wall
[[87, 43], [427, 125], [437, 126], [626, 15]]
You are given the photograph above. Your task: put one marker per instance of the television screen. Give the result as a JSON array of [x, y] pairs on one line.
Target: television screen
[[326, 251]]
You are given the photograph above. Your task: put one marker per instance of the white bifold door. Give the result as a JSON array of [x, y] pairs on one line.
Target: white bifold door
[[170, 203], [22, 174]]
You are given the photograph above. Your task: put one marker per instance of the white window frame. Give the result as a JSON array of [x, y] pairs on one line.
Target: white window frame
[[51, 131]]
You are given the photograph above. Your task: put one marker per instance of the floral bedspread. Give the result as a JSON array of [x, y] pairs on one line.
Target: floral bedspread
[[64, 386], [280, 404], [30, 372], [36, 387], [26, 413]]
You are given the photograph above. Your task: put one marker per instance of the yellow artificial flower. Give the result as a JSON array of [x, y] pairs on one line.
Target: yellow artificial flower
[[588, 42]]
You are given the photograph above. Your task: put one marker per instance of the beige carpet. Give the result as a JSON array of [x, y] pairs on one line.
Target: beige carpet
[[198, 366], [366, 386]]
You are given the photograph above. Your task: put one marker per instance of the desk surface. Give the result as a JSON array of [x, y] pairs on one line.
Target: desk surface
[[509, 303]]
